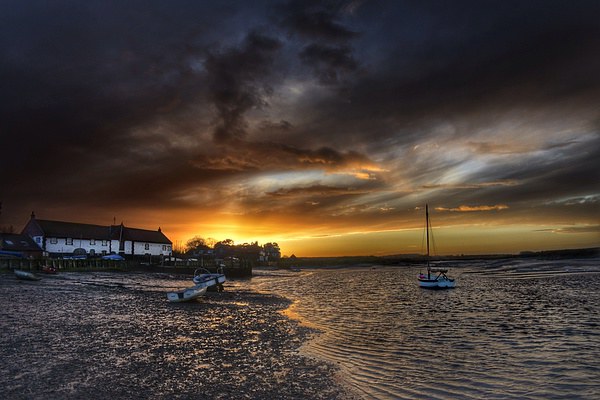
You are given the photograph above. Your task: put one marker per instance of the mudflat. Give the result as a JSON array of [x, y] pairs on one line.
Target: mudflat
[[114, 335]]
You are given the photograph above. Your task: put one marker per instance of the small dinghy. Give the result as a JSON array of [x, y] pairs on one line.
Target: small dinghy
[[204, 278], [26, 275], [186, 294]]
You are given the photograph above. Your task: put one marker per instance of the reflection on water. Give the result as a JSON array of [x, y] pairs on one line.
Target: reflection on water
[[511, 329]]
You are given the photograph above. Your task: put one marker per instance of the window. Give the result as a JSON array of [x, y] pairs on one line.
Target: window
[[92, 252], [53, 240], [92, 242], [104, 243], [38, 239], [69, 241], [147, 246]]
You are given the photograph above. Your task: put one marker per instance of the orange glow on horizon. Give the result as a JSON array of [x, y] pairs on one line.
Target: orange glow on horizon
[[449, 240]]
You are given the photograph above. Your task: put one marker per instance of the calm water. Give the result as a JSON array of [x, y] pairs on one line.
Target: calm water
[[511, 329]]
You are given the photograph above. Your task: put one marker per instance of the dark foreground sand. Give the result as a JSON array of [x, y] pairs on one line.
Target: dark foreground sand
[[102, 336]]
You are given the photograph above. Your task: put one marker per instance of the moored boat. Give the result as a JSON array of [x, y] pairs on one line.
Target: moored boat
[[435, 278], [186, 294], [26, 275]]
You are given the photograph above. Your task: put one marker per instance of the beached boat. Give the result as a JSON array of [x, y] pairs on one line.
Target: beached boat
[[205, 278], [26, 275], [435, 278], [186, 294]]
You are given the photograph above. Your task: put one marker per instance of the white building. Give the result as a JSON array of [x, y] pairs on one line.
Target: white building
[[58, 238]]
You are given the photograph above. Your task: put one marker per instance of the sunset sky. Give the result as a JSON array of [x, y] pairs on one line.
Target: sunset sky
[[323, 126]]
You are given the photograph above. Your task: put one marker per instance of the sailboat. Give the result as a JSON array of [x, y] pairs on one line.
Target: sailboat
[[435, 278]]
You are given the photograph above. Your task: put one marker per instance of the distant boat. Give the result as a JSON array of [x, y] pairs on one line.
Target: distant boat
[[186, 294], [26, 275], [205, 278], [435, 278]]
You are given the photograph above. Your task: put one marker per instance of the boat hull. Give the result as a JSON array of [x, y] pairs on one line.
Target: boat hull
[[208, 279], [186, 294], [26, 276], [436, 283], [446, 284]]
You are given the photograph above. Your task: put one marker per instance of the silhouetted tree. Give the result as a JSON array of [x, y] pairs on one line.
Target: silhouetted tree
[[272, 251], [250, 252], [224, 249], [197, 246]]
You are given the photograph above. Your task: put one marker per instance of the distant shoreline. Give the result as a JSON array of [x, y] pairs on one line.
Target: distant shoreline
[[409, 259]]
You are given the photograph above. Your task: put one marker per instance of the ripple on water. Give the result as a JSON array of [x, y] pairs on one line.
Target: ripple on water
[[494, 336]]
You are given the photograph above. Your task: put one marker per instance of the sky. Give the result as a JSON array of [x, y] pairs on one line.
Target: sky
[[324, 126]]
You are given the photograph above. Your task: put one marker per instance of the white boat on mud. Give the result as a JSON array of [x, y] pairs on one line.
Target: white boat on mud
[[205, 278], [186, 294], [435, 278], [26, 275]]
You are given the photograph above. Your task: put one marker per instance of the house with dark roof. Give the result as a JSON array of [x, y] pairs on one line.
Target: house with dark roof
[[60, 238], [135, 241], [16, 245]]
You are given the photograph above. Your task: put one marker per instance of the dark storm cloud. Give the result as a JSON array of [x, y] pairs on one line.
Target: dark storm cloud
[[462, 58], [316, 200], [238, 83], [326, 156], [552, 179], [558, 176], [329, 63], [316, 20], [78, 76], [270, 156], [324, 36]]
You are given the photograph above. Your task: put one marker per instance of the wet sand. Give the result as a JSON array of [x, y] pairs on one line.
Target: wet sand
[[111, 335]]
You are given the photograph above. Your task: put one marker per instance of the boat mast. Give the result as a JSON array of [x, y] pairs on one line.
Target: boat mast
[[427, 229]]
